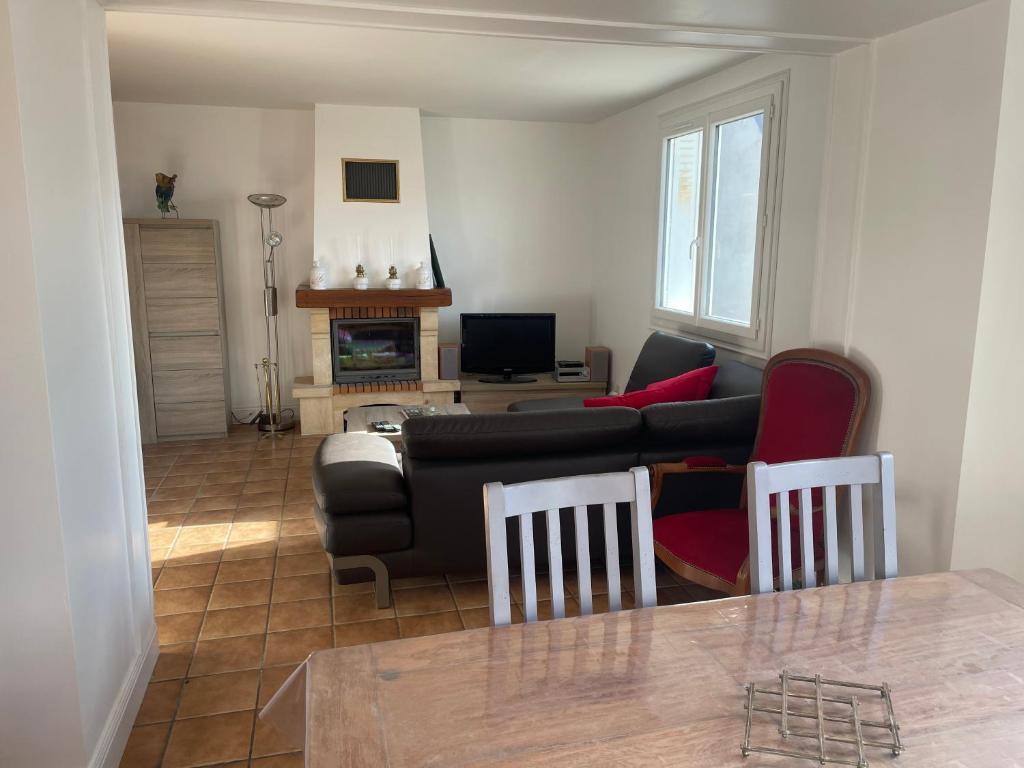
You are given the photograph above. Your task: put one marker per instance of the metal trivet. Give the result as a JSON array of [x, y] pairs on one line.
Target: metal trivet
[[843, 720]]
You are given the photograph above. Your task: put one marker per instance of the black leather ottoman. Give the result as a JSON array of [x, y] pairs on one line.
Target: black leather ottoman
[[361, 505]]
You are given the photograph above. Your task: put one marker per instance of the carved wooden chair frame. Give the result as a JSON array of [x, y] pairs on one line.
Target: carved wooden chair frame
[[862, 393]]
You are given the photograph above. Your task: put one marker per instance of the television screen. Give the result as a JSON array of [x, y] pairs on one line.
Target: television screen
[[508, 345], [369, 350]]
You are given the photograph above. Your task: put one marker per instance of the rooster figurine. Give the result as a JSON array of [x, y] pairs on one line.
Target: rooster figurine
[[164, 193]]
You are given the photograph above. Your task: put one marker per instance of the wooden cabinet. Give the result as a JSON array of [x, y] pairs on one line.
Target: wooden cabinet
[[177, 301]]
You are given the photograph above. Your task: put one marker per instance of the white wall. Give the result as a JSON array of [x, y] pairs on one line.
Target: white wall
[[842, 192], [222, 155], [511, 211], [79, 638], [32, 569], [625, 215], [374, 234], [920, 214], [989, 530], [509, 204]]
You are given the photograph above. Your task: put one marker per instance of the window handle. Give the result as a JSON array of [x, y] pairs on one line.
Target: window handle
[[694, 245]]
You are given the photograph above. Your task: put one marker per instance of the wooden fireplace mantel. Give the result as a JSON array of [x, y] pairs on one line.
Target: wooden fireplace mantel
[[328, 298]]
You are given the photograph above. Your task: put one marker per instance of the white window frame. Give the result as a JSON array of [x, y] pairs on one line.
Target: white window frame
[[765, 95]]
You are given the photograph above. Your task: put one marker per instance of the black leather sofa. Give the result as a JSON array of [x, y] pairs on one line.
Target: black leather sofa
[[426, 517]]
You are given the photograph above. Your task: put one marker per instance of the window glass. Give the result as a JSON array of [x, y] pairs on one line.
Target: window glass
[[733, 219], [682, 220]]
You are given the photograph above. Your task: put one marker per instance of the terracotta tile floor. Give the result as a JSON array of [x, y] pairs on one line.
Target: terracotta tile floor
[[243, 594]]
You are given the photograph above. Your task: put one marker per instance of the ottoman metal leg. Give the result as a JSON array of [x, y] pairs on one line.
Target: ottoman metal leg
[[381, 579]]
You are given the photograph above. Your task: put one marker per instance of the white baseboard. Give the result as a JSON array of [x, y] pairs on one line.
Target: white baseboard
[[119, 725]]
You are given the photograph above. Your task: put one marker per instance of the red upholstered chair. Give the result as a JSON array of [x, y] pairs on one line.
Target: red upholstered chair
[[812, 405]]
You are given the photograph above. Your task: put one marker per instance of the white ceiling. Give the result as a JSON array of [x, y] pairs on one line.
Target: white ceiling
[[244, 62], [576, 60]]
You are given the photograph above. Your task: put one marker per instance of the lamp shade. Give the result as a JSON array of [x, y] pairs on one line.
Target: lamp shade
[[267, 200]]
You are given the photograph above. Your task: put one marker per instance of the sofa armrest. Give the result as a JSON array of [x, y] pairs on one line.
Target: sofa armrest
[[702, 422], [356, 474]]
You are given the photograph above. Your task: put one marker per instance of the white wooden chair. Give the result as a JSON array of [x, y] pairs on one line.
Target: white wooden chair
[[763, 480], [522, 500]]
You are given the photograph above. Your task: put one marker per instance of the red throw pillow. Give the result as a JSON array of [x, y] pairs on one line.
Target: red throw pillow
[[638, 399], [692, 385]]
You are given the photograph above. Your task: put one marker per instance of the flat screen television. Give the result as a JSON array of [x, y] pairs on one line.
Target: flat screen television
[[504, 347]]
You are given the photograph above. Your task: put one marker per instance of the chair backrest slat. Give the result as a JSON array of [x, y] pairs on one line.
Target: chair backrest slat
[[528, 574], [555, 564], [583, 582], [782, 512], [806, 537], [644, 590], [611, 557], [885, 527], [759, 527], [497, 560], [857, 531], [831, 533], [523, 500], [781, 480]]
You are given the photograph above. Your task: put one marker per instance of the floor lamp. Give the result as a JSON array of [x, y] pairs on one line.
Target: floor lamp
[[270, 418]]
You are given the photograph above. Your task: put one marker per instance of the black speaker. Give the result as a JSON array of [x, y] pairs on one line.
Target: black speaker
[[369, 181]]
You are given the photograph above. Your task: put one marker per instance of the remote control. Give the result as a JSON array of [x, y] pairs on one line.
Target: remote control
[[385, 426]]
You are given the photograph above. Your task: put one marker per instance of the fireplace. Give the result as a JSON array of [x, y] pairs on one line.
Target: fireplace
[[370, 347], [366, 350]]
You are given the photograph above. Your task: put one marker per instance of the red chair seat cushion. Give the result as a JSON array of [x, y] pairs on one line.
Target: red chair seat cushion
[[713, 540], [716, 540]]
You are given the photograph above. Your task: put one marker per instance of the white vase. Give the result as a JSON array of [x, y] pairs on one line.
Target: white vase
[[361, 283], [318, 276], [393, 283], [424, 279]]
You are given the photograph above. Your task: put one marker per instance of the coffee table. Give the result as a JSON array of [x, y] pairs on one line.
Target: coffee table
[[359, 419]]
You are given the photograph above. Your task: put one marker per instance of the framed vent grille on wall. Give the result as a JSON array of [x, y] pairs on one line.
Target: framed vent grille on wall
[[369, 181]]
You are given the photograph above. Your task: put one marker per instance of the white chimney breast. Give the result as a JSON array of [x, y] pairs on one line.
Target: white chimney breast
[[375, 235]]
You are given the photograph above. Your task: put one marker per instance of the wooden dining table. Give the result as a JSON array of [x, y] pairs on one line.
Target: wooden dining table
[[666, 686]]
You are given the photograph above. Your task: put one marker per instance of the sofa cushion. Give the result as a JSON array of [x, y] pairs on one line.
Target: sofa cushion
[[734, 379], [707, 422], [664, 356], [689, 386], [491, 435], [546, 404], [357, 473]]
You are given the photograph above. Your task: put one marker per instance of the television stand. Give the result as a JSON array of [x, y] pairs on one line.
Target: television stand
[[482, 397], [507, 378]]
